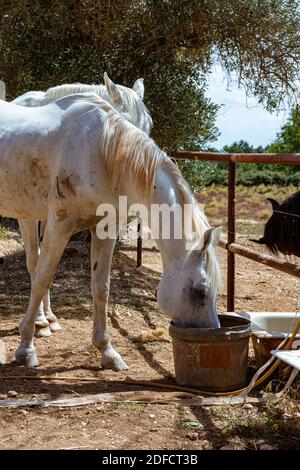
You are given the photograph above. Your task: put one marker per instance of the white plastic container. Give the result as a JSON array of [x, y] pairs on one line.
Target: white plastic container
[[268, 331]]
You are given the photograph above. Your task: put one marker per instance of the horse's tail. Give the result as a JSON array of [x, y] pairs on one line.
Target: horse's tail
[[2, 90]]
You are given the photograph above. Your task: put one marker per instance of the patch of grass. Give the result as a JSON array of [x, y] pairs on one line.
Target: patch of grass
[[130, 406], [82, 302], [3, 233], [249, 228], [267, 422], [86, 420], [192, 423]]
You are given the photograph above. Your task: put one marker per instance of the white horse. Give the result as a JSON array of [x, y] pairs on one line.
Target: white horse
[[60, 162], [127, 101], [123, 99]]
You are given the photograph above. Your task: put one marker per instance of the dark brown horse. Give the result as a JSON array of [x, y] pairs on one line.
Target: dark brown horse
[[282, 231]]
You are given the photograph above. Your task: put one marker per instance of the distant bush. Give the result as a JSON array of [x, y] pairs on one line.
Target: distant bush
[[201, 174]]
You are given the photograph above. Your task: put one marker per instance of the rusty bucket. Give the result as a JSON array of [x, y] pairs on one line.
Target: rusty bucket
[[213, 359]]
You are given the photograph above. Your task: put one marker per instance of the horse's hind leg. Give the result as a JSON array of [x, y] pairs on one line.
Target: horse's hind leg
[[52, 319], [55, 240], [101, 256], [29, 232]]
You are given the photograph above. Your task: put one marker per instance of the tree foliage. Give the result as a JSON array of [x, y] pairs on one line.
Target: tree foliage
[[171, 43], [288, 139], [242, 146]]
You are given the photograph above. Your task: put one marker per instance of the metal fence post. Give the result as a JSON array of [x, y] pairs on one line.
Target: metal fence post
[[139, 245], [231, 236]]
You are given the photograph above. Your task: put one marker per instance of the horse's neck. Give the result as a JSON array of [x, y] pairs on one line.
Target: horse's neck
[[166, 192]]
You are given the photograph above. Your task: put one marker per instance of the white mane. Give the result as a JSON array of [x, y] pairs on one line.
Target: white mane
[[127, 149], [134, 105], [200, 225], [54, 93]]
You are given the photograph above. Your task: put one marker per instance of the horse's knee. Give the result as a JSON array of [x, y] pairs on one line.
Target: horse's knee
[[100, 292], [31, 261], [40, 286]]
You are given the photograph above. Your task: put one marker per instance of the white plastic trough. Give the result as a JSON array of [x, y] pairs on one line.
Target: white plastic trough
[[292, 358], [269, 329], [271, 324]]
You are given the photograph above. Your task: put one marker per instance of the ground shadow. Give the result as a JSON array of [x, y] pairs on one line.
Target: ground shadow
[[70, 294]]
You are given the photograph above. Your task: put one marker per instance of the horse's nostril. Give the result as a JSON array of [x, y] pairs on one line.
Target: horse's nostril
[[198, 293]]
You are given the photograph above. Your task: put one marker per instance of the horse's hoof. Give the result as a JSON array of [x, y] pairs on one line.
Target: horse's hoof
[[54, 326], [27, 357], [114, 362], [42, 332]]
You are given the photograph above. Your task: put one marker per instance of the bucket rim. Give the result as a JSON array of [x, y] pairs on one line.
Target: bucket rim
[[241, 326]]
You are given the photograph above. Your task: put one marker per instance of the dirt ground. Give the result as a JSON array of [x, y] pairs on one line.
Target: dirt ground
[[132, 310]]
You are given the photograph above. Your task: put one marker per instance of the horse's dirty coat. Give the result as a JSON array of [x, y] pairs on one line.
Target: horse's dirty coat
[[129, 102]]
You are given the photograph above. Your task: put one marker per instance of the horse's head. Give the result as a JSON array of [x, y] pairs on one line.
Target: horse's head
[[187, 291], [130, 101], [271, 237]]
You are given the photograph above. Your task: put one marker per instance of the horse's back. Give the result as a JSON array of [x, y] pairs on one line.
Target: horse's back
[[291, 204], [39, 146], [31, 99], [20, 121], [290, 220]]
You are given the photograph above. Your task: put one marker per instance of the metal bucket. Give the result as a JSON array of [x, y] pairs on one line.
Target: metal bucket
[[213, 359]]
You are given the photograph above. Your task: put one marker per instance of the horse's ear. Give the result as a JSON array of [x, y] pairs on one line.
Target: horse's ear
[[216, 236], [208, 236], [139, 88], [211, 237], [113, 91], [275, 204]]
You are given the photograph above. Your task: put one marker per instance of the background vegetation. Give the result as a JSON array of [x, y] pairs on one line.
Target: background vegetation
[[173, 44], [201, 174]]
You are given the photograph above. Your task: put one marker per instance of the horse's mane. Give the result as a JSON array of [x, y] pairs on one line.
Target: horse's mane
[[57, 92], [132, 101], [129, 150], [136, 106], [199, 225]]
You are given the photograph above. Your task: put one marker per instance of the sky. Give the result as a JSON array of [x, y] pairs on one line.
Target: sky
[[241, 118]]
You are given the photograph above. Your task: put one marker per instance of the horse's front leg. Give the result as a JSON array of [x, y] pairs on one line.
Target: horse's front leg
[[55, 240], [101, 257], [46, 304], [52, 319], [29, 232]]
